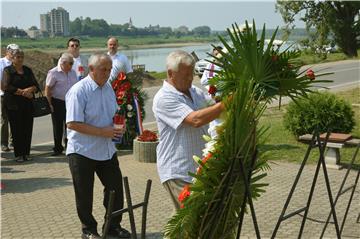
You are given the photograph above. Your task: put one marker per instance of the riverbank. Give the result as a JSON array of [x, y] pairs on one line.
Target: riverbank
[[131, 47]]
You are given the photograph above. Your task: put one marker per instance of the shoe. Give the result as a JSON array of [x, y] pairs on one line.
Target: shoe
[[56, 154], [119, 232], [5, 148], [11, 145], [27, 158], [20, 159], [90, 235]]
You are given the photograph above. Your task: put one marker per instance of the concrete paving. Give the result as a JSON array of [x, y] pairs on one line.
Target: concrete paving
[[37, 199]]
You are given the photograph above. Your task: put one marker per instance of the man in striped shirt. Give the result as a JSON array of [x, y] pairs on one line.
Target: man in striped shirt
[[182, 114]]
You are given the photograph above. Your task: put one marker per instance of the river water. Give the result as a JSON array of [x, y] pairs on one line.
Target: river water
[[154, 58]]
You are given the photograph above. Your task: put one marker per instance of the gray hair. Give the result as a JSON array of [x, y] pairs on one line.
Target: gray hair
[[175, 58], [17, 52], [66, 57], [95, 59]]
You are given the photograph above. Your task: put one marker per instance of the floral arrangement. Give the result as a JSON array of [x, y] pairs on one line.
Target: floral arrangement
[[251, 75], [148, 136], [130, 99]]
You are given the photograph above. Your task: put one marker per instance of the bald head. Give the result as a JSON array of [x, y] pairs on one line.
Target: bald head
[[112, 45]]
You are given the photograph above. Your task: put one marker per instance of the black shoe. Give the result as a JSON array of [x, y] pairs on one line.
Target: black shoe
[[5, 148], [56, 154], [27, 158], [20, 159], [90, 235], [119, 232]]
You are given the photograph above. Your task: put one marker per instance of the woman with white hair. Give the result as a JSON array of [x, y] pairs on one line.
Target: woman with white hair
[[58, 81]]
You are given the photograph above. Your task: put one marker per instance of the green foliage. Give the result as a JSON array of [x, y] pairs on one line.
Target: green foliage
[[338, 18], [324, 111]]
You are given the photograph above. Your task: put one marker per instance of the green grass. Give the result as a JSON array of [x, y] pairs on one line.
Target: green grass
[[307, 59], [280, 144], [158, 75], [100, 42]]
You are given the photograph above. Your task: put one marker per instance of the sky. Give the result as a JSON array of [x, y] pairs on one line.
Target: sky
[[217, 15]]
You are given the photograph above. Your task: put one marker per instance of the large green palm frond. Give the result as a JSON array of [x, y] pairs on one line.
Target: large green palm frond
[[253, 73]]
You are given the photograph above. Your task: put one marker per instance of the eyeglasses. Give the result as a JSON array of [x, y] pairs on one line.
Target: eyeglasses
[[74, 45]]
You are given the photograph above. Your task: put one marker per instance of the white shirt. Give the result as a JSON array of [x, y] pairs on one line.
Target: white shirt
[[178, 142], [209, 73], [120, 62], [4, 62], [88, 103], [79, 68]]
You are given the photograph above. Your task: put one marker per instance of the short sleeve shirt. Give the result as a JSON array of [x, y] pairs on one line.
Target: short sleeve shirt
[[178, 142], [120, 62], [60, 82], [88, 103]]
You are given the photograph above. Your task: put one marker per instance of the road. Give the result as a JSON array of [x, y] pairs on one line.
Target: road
[[346, 73]]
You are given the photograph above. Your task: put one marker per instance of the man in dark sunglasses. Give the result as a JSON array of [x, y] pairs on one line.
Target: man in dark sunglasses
[[80, 62]]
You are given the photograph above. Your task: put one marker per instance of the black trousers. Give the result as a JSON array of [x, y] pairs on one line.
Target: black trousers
[[4, 124], [82, 171], [58, 118], [21, 126]]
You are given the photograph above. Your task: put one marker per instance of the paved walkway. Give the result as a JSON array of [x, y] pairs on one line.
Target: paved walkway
[[37, 199]]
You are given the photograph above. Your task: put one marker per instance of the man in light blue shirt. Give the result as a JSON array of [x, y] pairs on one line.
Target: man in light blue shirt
[[90, 107], [182, 115]]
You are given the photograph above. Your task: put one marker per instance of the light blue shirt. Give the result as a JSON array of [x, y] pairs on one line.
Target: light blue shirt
[[178, 142], [88, 103]]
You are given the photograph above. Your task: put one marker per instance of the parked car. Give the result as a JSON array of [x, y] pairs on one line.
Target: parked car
[[200, 66]]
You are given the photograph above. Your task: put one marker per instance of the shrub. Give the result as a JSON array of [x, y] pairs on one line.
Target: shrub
[[323, 110]]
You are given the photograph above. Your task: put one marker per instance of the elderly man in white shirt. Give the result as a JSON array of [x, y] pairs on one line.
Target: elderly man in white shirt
[[58, 82], [4, 62], [120, 62], [182, 117]]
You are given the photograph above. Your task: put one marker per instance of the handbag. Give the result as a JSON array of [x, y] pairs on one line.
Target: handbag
[[41, 106]]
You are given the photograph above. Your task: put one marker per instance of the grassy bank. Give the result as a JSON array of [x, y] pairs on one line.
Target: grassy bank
[[100, 42], [282, 145], [312, 58]]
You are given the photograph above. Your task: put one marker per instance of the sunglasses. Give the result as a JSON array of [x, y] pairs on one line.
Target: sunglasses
[[74, 45]]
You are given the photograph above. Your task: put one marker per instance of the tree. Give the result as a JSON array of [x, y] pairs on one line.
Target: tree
[[341, 19], [202, 31], [76, 26]]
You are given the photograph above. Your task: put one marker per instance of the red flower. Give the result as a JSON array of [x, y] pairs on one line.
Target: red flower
[[125, 86], [120, 94], [148, 136], [274, 57], [212, 90], [203, 160], [185, 193], [310, 74], [121, 76]]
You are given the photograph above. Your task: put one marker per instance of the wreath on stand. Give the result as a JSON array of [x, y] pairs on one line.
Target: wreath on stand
[[131, 100], [252, 74]]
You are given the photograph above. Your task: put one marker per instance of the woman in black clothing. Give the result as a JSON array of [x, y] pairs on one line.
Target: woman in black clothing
[[19, 85]]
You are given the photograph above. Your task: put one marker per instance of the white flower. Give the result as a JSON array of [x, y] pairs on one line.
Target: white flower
[[129, 114], [129, 107]]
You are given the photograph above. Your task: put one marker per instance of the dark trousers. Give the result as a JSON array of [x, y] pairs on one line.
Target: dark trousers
[[58, 122], [21, 126], [4, 124], [82, 171]]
